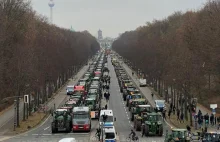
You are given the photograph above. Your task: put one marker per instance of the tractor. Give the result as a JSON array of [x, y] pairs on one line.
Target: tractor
[[133, 97], [153, 124], [177, 135], [92, 104], [134, 103], [139, 120], [138, 109], [62, 121]]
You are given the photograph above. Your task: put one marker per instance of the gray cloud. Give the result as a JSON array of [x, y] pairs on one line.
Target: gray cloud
[[111, 16]]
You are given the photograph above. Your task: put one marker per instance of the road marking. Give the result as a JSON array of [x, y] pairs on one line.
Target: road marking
[[126, 111], [4, 138], [129, 121], [47, 134], [46, 128], [35, 134]]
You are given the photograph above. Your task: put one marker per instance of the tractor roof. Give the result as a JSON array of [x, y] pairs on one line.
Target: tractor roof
[[144, 105], [179, 130], [153, 113], [61, 109], [90, 99], [138, 100]]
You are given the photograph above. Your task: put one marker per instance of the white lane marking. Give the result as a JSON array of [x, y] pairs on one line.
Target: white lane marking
[[126, 111], [129, 121], [47, 134], [46, 128], [35, 134]]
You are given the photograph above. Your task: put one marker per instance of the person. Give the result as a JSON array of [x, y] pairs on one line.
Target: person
[[98, 133], [133, 134], [152, 94], [132, 73], [143, 132]]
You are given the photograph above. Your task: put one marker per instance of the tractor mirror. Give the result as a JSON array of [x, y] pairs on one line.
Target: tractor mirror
[[115, 119]]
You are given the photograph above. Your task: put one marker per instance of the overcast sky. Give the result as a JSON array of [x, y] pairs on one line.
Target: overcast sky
[[111, 16]]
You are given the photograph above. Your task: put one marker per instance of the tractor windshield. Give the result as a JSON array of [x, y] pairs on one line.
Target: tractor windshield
[[178, 134], [136, 96], [80, 116], [154, 118], [90, 102]]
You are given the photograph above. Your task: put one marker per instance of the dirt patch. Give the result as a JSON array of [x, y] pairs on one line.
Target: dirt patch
[[33, 120]]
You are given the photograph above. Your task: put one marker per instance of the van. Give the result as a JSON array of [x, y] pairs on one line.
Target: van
[[109, 134], [142, 82], [110, 119]]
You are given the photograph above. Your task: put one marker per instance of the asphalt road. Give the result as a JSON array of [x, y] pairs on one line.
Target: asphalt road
[[123, 125], [42, 133]]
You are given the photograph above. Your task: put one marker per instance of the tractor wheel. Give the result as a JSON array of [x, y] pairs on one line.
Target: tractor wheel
[[146, 130], [161, 130], [138, 128], [68, 128], [53, 127]]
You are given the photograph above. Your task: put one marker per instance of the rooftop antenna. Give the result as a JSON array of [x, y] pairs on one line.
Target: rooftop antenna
[[51, 5]]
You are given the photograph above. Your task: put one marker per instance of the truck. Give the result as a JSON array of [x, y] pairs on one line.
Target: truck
[[62, 121], [81, 119], [142, 82]]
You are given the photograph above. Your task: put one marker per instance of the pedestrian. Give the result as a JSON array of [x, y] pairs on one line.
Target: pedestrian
[[164, 114], [178, 114], [169, 113], [106, 107], [143, 132], [105, 94], [174, 109], [152, 94], [181, 117], [212, 119]]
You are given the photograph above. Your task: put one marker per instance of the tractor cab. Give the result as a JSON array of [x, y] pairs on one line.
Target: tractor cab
[[177, 135], [91, 103]]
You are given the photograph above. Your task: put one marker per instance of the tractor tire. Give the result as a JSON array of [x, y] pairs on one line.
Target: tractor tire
[[132, 118], [146, 130], [138, 128], [68, 128], [161, 130], [53, 128]]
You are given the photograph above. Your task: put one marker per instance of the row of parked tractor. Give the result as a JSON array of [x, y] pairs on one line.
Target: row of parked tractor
[[146, 118], [84, 100], [149, 119]]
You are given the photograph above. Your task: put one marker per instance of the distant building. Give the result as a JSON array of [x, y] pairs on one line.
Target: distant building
[[100, 35]]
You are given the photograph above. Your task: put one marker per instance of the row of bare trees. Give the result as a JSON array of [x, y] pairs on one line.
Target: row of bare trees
[[180, 52], [35, 56]]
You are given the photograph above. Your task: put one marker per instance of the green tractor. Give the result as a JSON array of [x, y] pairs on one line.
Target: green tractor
[[138, 109], [153, 124], [62, 121], [91, 103], [177, 135], [139, 120], [135, 102]]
